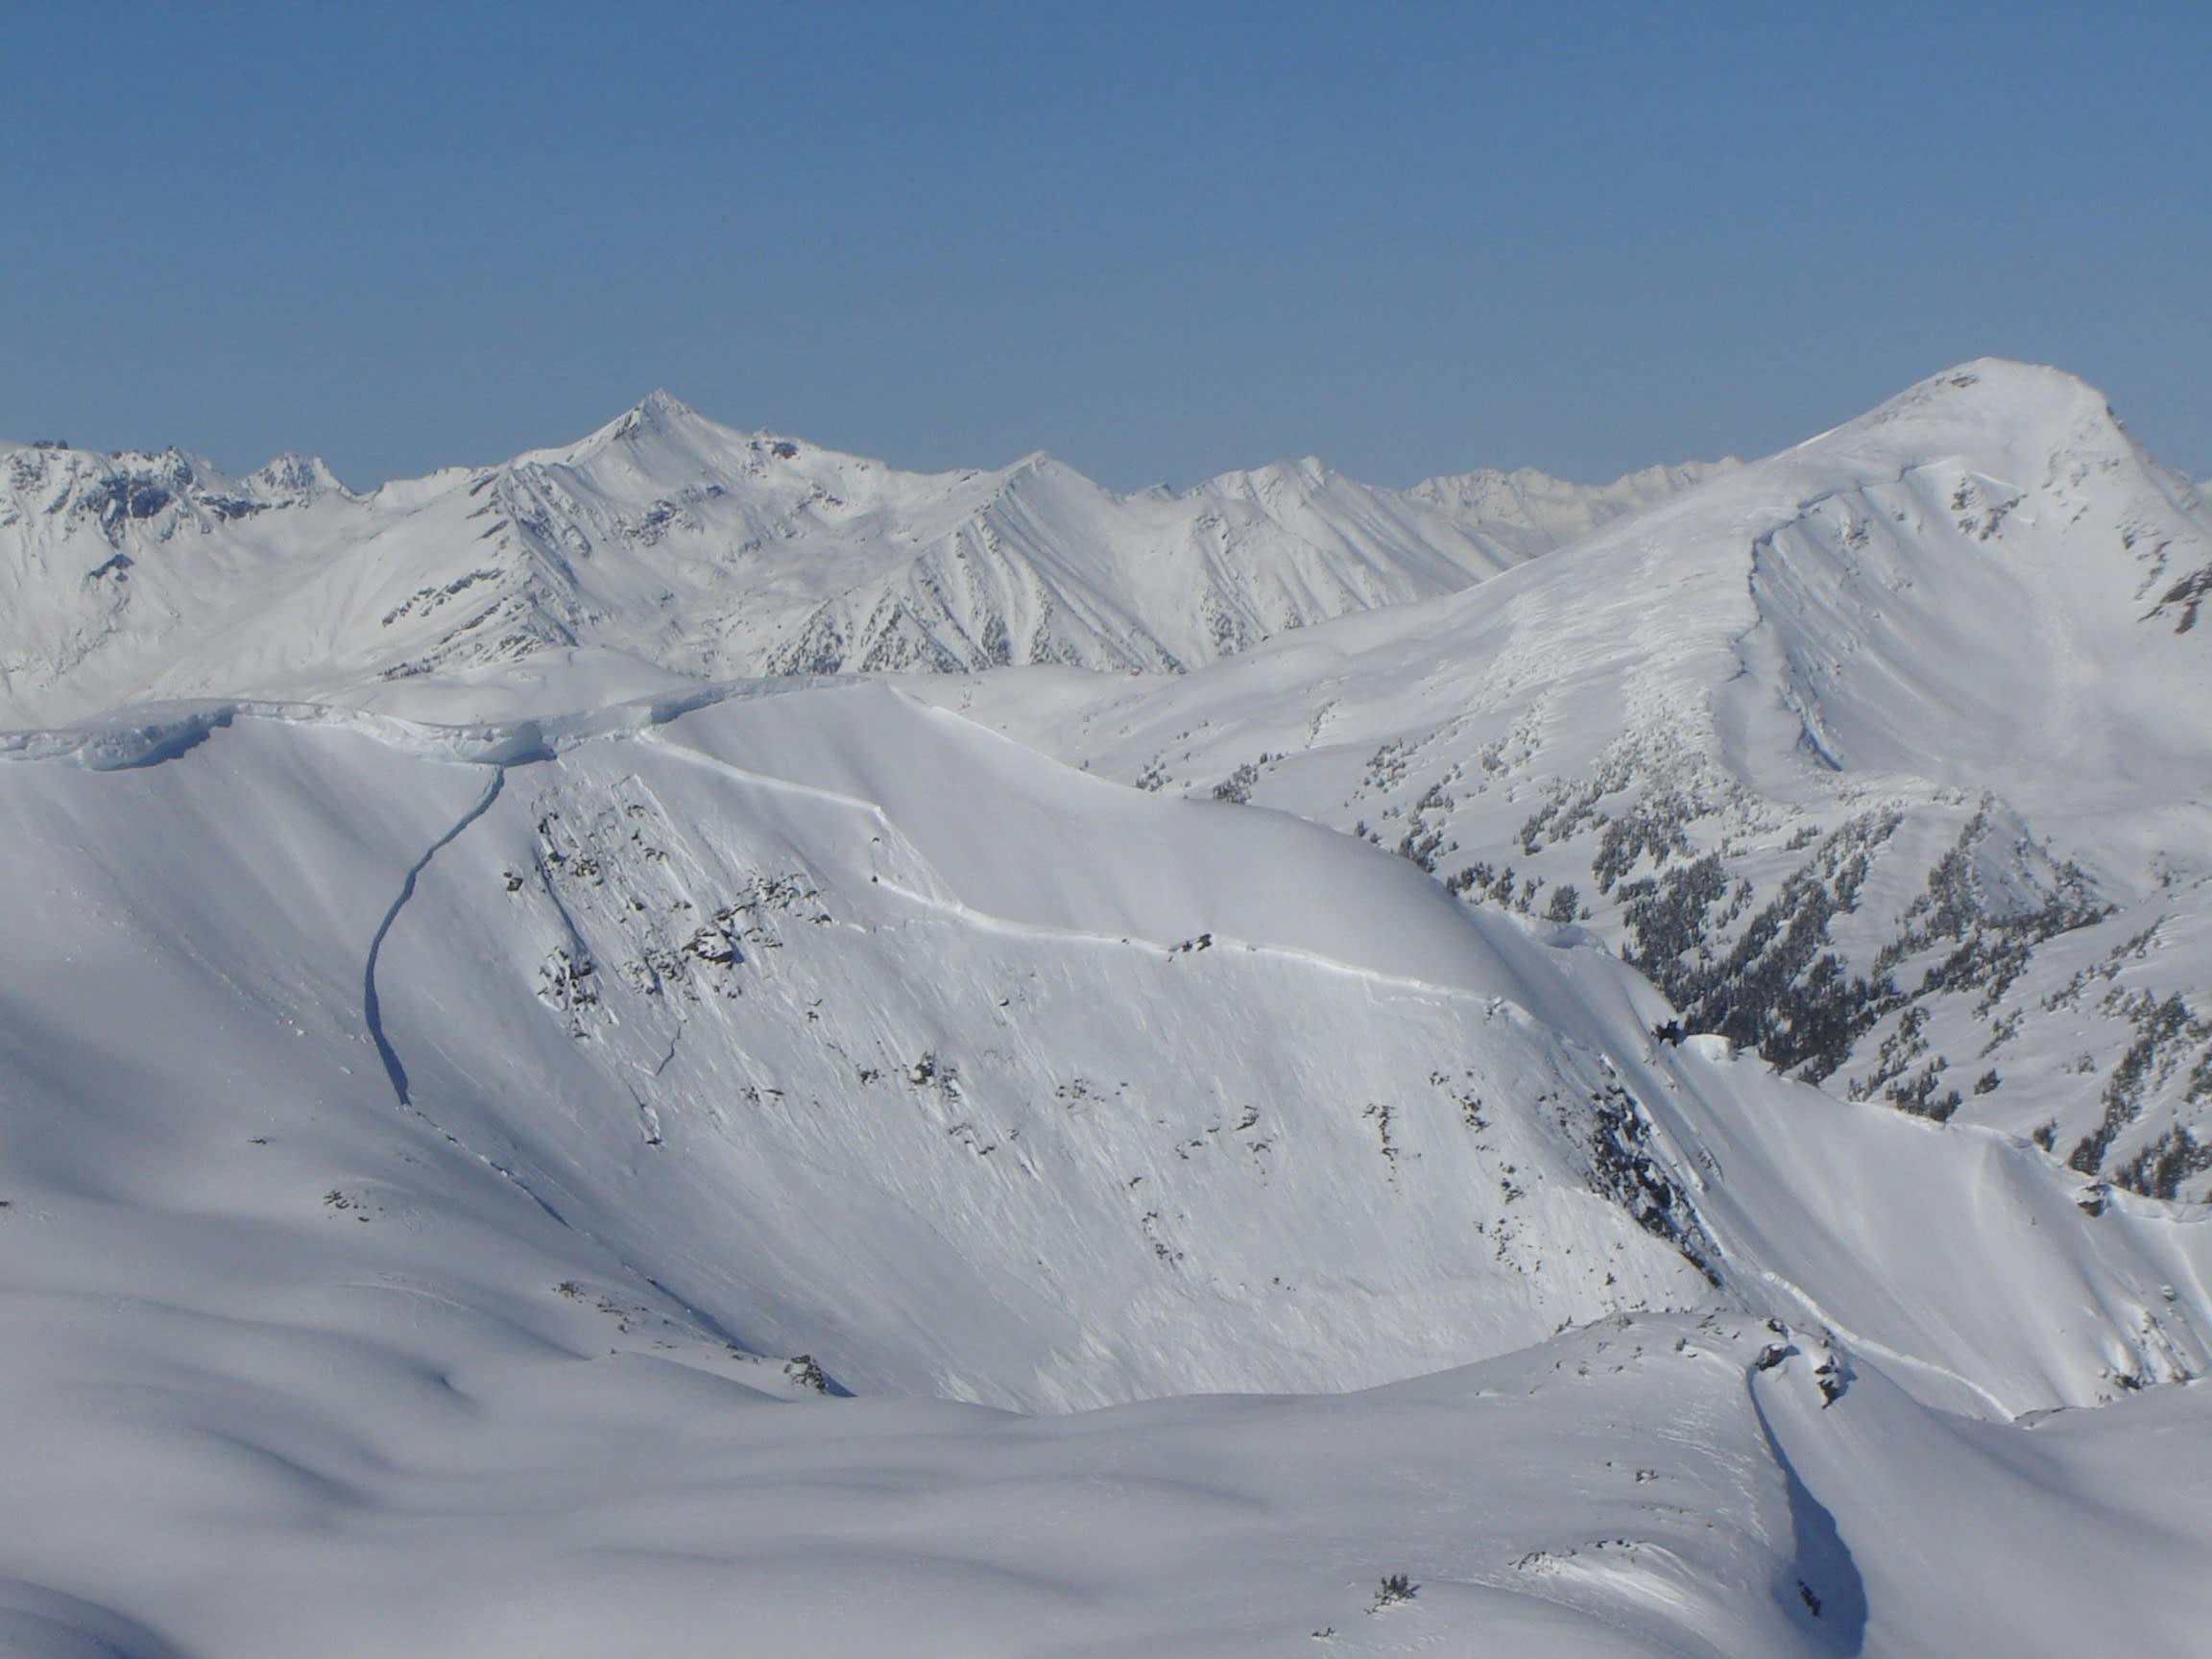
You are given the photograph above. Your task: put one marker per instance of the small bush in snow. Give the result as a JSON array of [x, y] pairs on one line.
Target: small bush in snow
[[1397, 1587]]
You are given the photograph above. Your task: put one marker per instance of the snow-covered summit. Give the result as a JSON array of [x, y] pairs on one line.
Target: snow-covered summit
[[292, 478], [660, 436]]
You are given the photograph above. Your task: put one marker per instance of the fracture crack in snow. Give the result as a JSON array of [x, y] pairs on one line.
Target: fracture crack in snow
[[371, 1005]]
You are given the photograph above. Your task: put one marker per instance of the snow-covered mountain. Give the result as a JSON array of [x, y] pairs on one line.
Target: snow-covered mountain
[[1886, 755], [675, 545], [514, 1142]]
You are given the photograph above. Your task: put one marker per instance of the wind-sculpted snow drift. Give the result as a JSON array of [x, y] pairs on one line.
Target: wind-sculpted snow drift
[[564, 1157], [446, 1172]]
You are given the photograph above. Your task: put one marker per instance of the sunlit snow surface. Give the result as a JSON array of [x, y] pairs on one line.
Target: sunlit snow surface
[[563, 1158]]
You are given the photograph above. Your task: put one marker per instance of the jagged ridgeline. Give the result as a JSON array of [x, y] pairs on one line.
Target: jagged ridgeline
[[681, 547]]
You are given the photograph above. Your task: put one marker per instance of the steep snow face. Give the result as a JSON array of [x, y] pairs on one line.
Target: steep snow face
[[853, 1030], [1041, 1117], [683, 546], [2005, 611], [1886, 756]]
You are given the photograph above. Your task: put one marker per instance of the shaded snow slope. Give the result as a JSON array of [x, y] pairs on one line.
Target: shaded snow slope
[[378, 1474], [1885, 754], [673, 544]]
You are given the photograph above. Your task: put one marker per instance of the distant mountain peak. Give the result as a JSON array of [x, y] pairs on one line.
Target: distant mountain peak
[[658, 408], [660, 414], [295, 477]]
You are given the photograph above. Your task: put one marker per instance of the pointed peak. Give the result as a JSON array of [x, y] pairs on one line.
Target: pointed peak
[[295, 478], [660, 421], [660, 404], [659, 410]]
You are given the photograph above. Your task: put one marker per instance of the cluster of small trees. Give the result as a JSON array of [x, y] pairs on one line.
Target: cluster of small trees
[[2159, 1170]]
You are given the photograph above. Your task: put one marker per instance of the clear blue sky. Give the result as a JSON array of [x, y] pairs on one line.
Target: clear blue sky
[[1159, 240]]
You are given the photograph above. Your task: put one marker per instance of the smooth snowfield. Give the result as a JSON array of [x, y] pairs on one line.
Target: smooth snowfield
[[451, 1175]]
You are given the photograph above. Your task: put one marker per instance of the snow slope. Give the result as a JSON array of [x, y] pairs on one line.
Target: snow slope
[[1885, 754], [673, 545], [443, 1166]]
